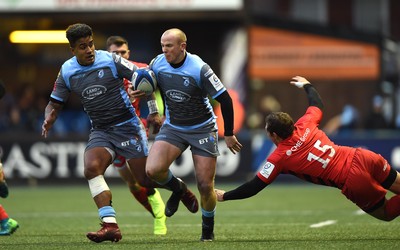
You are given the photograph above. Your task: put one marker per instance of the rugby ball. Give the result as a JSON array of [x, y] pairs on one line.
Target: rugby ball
[[145, 80]]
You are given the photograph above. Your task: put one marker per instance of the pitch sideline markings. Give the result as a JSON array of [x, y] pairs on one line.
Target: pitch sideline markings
[[323, 223]]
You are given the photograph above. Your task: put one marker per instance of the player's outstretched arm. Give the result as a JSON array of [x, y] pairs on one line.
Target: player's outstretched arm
[[244, 191]]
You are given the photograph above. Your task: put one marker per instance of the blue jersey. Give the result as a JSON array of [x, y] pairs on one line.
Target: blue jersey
[[185, 91], [99, 86]]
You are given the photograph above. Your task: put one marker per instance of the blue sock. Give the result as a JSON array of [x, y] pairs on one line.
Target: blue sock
[[208, 213], [106, 211]]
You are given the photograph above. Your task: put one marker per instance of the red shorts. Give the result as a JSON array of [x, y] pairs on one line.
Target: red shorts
[[363, 184]]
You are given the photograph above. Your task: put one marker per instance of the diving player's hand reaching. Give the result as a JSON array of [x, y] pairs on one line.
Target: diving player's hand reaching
[[220, 194], [299, 81]]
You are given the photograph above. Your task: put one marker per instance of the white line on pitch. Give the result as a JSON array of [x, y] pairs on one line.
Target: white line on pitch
[[323, 223]]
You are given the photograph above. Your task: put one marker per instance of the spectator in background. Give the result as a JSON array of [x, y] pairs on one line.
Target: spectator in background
[[376, 119], [150, 198], [344, 122], [6, 105], [20, 110]]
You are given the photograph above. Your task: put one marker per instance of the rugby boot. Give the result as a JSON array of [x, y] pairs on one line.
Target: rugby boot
[[157, 204], [108, 231]]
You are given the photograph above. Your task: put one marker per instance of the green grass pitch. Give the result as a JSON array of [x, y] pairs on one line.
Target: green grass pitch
[[280, 217]]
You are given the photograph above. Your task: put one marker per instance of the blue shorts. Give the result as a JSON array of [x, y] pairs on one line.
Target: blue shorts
[[202, 141], [127, 139]]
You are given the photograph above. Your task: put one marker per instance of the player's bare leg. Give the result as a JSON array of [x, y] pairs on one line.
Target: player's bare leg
[[96, 162], [205, 175], [390, 209], [157, 168]]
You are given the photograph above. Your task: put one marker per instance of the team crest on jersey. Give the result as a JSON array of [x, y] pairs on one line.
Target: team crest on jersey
[[186, 81], [100, 74], [216, 82], [267, 169], [136, 144]]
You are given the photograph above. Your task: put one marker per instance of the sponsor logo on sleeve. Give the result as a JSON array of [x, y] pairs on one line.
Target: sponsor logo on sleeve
[[216, 82], [127, 63], [267, 169]]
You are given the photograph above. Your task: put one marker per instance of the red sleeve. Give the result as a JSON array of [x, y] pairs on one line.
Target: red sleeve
[[268, 172]]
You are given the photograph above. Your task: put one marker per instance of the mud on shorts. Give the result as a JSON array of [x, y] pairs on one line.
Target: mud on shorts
[[202, 141]]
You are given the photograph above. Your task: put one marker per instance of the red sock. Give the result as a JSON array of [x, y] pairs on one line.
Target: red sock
[[392, 208], [3, 213], [141, 196]]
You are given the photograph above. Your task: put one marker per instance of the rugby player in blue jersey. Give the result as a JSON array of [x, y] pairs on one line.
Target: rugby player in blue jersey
[[185, 82], [97, 76]]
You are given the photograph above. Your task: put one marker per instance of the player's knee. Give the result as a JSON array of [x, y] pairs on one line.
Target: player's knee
[[151, 172], [92, 170], [205, 187]]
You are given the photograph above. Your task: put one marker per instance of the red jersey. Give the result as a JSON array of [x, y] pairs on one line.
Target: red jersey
[[309, 154], [135, 102]]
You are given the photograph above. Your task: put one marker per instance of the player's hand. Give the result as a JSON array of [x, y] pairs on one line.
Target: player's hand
[[220, 194], [48, 122], [233, 144], [2, 179], [154, 121], [133, 94], [299, 81]]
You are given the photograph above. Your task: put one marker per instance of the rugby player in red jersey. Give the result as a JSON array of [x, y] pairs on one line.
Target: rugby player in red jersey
[[305, 151], [150, 198]]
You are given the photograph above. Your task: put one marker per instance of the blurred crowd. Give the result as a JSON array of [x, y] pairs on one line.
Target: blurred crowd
[[350, 119], [22, 110]]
